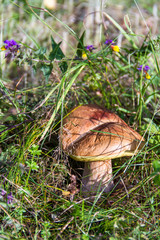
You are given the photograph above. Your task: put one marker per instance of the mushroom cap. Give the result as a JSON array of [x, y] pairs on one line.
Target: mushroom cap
[[83, 119], [91, 133]]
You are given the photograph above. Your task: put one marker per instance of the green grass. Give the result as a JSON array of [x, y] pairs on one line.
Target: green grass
[[38, 88]]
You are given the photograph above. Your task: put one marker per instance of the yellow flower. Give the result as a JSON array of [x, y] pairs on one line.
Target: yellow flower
[[3, 48], [148, 76], [115, 48], [84, 55]]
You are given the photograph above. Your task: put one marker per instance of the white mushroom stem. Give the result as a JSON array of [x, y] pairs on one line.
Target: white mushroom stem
[[97, 176]]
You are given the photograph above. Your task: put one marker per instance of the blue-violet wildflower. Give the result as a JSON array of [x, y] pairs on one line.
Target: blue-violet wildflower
[[114, 47], [109, 41], [145, 68], [11, 47], [89, 48], [3, 192], [140, 68], [9, 198]]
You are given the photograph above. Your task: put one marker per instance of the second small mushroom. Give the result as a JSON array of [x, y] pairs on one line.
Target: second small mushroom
[[95, 136]]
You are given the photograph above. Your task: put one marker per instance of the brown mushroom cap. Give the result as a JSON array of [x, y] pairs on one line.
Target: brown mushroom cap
[[107, 141], [91, 133], [84, 118]]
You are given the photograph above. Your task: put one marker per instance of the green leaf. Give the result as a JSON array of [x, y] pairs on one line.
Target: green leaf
[[40, 53], [63, 66], [34, 150], [124, 110], [56, 52], [113, 238], [157, 179], [156, 166], [46, 69], [80, 46], [85, 237], [33, 165]]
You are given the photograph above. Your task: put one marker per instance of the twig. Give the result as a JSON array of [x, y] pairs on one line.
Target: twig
[[125, 187], [65, 226]]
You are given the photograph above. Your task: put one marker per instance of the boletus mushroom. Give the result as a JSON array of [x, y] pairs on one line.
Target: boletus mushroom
[[95, 136]]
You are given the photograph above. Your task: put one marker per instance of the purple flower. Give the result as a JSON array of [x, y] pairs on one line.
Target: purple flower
[[89, 48], [9, 198], [11, 43], [3, 192], [140, 68], [108, 41], [145, 68], [12, 48]]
